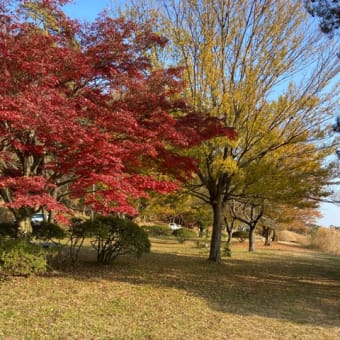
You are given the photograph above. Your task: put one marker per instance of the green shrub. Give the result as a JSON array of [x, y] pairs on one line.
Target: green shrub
[[114, 236], [19, 257], [8, 230], [81, 228], [157, 230], [241, 234], [47, 231], [78, 231], [184, 234], [51, 234], [227, 250]]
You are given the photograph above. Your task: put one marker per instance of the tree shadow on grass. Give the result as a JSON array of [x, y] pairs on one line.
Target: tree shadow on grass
[[303, 289]]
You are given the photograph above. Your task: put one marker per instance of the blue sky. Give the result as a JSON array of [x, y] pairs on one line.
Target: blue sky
[[86, 9], [331, 214], [89, 9]]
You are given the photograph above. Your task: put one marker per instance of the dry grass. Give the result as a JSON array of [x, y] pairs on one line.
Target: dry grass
[[290, 236], [327, 240], [281, 292]]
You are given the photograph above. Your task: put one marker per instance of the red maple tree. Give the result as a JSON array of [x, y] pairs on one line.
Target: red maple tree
[[80, 105]]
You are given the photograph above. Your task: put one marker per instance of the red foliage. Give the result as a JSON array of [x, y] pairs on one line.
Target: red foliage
[[81, 106]]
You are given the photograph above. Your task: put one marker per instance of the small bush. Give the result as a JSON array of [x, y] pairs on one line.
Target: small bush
[[78, 231], [47, 231], [51, 234], [157, 230], [19, 257], [184, 234], [227, 250], [115, 236], [8, 230], [241, 234]]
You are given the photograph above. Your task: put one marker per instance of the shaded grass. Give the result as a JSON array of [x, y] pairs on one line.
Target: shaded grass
[[175, 293]]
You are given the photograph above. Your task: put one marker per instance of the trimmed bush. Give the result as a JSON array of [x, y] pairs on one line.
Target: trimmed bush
[[78, 231], [241, 234], [47, 231], [8, 230], [19, 257], [227, 250], [157, 230], [51, 234], [115, 237], [184, 234]]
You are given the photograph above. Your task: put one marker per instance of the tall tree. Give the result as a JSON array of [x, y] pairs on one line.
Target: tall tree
[[81, 108], [251, 213], [291, 176], [258, 67], [294, 219]]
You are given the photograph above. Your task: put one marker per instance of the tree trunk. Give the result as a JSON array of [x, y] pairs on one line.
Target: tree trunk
[[269, 235], [227, 250], [267, 240], [216, 237], [230, 235], [24, 227], [252, 239], [266, 232]]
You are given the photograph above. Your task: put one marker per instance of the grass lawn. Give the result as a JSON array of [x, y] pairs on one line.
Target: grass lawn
[[281, 292]]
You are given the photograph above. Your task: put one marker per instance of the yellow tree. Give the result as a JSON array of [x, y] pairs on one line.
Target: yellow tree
[[258, 67], [179, 207], [291, 176], [295, 219]]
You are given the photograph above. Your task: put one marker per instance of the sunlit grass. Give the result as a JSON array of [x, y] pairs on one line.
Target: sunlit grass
[[175, 293]]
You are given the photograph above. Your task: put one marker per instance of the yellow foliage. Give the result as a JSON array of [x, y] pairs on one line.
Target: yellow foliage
[[227, 165], [241, 59], [42, 14]]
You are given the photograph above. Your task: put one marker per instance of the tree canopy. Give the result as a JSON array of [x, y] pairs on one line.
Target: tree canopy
[[260, 68], [83, 114]]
